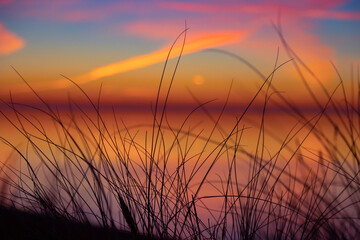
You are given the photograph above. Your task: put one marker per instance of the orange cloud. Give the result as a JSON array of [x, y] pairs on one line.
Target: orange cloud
[[9, 42], [210, 40]]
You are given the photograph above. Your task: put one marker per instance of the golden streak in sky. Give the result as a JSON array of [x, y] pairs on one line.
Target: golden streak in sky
[[160, 55], [197, 44]]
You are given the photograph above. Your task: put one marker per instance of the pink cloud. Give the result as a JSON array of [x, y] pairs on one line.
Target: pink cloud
[[9, 42], [98, 13], [72, 10], [83, 10], [53, 2], [199, 7], [339, 15], [310, 8], [5, 1], [308, 47], [255, 18], [322, 3]]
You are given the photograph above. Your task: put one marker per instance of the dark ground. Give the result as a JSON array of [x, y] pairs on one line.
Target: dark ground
[[15, 224]]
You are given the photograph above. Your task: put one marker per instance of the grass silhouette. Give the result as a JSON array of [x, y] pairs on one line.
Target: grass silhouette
[[165, 186]]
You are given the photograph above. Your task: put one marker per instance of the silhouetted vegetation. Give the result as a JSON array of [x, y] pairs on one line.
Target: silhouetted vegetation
[[167, 185]]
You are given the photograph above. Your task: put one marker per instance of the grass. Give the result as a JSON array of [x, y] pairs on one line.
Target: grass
[[164, 183]]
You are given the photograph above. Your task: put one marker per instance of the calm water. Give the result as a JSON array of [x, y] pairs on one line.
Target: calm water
[[197, 147]]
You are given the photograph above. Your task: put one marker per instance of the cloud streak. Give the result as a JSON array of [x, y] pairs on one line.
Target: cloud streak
[[194, 45], [198, 44]]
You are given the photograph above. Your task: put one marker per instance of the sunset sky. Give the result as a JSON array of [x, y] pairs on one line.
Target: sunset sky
[[123, 45]]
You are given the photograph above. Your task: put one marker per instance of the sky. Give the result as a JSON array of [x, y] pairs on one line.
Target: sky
[[122, 46]]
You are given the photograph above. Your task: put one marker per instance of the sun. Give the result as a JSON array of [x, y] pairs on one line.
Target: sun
[[198, 79]]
